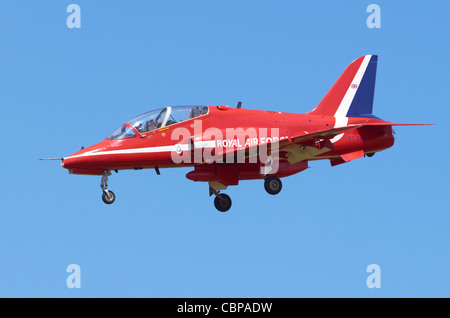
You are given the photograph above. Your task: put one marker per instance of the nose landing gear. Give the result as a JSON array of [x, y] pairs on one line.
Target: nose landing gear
[[107, 196]]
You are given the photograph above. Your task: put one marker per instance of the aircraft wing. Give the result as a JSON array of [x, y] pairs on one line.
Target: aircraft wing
[[316, 142], [285, 144], [321, 134], [309, 145]]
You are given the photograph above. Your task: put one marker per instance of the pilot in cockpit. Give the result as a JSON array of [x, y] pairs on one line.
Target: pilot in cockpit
[[139, 127], [198, 111], [150, 125]]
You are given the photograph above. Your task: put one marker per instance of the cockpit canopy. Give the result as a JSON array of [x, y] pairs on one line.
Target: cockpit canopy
[[157, 119]]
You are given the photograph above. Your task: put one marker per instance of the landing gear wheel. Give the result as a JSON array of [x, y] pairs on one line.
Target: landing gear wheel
[[272, 185], [370, 154], [222, 204], [108, 196]]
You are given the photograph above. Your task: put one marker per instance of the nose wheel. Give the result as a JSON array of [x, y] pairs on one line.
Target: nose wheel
[[107, 196]]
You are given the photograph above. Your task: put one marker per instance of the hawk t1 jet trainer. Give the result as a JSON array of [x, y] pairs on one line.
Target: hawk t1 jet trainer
[[225, 146]]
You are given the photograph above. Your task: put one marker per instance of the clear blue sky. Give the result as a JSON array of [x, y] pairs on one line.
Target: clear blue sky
[[62, 88]]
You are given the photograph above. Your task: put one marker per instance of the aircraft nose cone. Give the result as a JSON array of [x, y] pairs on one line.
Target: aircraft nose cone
[[85, 158], [71, 162]]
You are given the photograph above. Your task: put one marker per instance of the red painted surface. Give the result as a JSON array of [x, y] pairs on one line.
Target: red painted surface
[[366, 138], [325, 133]]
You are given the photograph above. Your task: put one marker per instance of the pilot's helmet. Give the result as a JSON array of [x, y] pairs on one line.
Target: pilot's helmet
[[138, 127], [150, 125], [196, 111]]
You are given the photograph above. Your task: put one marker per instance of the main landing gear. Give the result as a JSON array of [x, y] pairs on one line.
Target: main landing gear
[[222, 202], [108, 196], [272, 185]]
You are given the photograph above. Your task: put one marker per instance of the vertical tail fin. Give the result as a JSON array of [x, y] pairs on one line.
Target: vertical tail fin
[[352, 94]]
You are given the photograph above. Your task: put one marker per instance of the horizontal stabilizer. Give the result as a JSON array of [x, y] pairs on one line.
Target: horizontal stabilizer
[[387, 123]]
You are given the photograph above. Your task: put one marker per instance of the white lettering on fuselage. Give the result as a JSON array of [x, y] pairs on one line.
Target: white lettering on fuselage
[[249, 142]]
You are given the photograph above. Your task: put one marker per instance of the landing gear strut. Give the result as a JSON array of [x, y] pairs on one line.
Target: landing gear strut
[[108, 196], [272, 185]]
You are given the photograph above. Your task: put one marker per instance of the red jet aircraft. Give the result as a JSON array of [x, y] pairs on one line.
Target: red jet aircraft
[[225, 145]]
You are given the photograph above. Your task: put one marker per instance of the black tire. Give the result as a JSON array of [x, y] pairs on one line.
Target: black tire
[[224, 204], [370, 154], [108, 197], [272, 185]]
